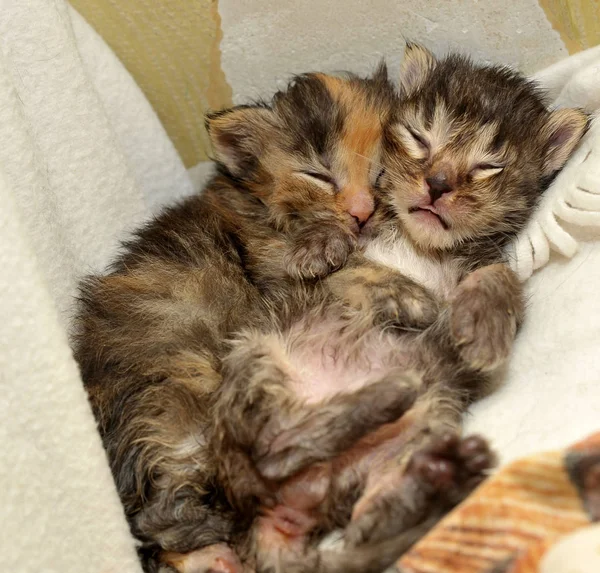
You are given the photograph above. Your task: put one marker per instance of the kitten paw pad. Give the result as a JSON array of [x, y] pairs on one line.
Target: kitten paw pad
[[452, 466], [218, 558]]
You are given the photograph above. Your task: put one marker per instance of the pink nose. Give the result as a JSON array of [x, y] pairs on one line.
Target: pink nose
[[360, 205]]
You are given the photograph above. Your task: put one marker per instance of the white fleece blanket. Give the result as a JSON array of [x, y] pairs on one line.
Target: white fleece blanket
[[83, 159]]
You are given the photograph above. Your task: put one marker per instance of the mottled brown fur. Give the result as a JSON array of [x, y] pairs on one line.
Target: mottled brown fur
[[153, 333], [242, 402]]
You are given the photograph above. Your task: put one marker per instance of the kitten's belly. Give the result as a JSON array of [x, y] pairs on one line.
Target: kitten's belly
[[439, 276], [332, 356], [328, 355]]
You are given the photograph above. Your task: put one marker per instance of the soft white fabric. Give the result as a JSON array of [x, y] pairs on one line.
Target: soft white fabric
[[575, 553], [575, 196], [150, 155], [83, 159]]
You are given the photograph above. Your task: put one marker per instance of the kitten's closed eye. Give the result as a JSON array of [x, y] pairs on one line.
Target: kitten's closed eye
[[485, 170], [324, 181], [415, 144], [420, 139]]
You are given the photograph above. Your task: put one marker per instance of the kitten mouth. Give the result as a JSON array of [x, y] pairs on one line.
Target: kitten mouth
[[432, 210]]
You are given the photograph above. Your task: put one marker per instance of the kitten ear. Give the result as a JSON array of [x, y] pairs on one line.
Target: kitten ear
[[416, 66], [381, 73], [562, 133], [239, 136]]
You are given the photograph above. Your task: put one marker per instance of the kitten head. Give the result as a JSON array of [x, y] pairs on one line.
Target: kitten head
[[312, 151], [470, 149]]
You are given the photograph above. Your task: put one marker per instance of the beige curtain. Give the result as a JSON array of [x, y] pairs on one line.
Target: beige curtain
[[172, 51]]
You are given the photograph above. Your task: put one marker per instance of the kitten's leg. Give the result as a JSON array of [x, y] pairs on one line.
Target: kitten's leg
[[485, 312], [437, 477], [321, 432], [279, 556], [155, 433], [281, 541], [384, 295], [259, 413]]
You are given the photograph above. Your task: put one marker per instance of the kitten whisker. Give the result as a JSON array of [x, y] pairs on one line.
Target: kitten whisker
[[389, 171], [370, 159]]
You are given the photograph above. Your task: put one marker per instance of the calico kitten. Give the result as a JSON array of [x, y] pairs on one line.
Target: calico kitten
[[316, 408], [153, 334]]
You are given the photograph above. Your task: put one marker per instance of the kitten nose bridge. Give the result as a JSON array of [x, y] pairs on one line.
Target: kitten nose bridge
[[438, 184], [358, 203]]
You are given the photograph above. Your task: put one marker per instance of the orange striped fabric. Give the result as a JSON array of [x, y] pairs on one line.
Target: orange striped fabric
[[511, 520]]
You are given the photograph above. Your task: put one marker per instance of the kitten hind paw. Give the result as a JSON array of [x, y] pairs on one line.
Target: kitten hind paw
[[451, 466], [436, 478]]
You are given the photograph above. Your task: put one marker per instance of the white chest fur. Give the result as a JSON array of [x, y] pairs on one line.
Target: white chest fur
[[438, 275]]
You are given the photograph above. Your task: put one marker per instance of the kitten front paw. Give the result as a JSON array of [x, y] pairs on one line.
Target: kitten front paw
[[402, 303], [384, 296], [484, 315], [318, 250]]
